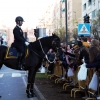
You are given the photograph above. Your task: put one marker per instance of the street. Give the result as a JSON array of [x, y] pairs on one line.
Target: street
[[13, 85]]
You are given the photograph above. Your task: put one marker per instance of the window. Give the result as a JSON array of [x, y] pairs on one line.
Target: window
[[93, 2], [90, 15], [68, 5], [63, 10], [84, 6], [89, 2], [93, 13], [63, 0]]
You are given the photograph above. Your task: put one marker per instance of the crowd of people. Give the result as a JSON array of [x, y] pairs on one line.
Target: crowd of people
[[75, 55]]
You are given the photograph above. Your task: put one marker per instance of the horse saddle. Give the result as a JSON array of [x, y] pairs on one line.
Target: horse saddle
[[13, 53]]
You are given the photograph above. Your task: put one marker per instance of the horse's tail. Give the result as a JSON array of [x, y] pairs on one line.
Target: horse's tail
[[1, 63], [1, 66], [2, 54]]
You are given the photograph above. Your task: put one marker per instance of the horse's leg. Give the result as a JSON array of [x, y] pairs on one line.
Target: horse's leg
[[32, 86], [29, 89], [32, 90], [33, 80], [28, 84]]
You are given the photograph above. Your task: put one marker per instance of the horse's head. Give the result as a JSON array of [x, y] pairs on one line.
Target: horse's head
[[56, 44]]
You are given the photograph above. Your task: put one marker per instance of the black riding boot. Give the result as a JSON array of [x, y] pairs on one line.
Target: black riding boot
[[20, 57]]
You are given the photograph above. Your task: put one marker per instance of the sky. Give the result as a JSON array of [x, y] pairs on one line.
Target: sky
[[30, 10]]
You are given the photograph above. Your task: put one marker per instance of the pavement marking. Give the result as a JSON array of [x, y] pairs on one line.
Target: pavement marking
[[39, 93], [1, 75], [16, 74], [13, 72], [24, 81]]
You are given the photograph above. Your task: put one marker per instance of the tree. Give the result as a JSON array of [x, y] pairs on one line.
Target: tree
[[75, 34], [61, 33], [94, 24], [74, 29]]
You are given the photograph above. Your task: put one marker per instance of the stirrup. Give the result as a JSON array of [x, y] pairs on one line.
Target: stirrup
[[20, 66]]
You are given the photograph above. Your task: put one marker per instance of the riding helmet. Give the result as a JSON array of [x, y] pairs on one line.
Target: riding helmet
[[19, 18]]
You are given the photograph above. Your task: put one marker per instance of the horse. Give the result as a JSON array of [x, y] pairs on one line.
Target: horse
[[37, 51]]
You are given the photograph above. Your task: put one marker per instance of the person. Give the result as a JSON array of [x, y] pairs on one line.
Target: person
[[19, 41], [95, 42], [82, 51], [85, 43], [94, 58], [51, 57]]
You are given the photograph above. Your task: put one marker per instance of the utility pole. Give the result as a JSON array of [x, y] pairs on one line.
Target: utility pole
[[66, 21]]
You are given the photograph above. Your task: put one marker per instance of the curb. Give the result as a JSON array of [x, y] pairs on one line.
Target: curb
[[38, 93]]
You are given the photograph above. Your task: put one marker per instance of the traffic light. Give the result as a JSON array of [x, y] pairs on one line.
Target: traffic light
[[36, 33], [86, 19]]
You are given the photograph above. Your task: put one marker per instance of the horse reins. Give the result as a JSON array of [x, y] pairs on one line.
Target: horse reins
[[46, 54], [34, 52]]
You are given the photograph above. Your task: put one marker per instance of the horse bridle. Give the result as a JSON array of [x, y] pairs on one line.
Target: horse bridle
[[53, 42], [46, 54]]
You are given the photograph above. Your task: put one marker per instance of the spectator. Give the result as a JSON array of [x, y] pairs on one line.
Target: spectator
[[94, 56], [95, 42], [83, 53], [51, 57], [85, 43]]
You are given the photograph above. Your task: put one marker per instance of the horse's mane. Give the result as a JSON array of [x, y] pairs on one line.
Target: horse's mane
[[44, 41]]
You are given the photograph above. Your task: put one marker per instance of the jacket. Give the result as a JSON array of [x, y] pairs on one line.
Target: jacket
[[86, 44], [95, 64], [19, 40], [83, 53]]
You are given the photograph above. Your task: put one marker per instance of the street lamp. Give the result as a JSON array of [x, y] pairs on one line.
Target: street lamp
[[66, 21]]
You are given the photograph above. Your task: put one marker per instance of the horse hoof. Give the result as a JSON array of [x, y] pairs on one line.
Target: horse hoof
[[29, 96], [33, 94]]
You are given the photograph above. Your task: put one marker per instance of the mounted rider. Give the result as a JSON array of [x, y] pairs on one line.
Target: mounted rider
[[19, 41]]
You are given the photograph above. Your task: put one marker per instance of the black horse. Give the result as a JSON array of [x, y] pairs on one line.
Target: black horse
[[37, 51]]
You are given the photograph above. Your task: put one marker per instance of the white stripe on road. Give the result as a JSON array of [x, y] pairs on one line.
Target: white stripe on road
[[1, 75], [34, 98], [16, 74], [24, 81]]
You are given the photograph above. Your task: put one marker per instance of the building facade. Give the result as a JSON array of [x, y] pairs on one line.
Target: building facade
[[74, 12], [54, 17], [90, 7]]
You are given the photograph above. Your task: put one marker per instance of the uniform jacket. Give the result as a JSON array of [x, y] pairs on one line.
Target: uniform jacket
[[19, 40]]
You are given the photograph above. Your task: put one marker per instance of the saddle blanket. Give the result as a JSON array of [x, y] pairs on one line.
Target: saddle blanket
[[13, 53]]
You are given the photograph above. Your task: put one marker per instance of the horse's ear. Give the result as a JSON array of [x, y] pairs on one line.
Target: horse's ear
[[53, 34]]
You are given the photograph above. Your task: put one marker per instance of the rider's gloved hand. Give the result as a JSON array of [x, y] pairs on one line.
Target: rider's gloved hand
[[26, 43]]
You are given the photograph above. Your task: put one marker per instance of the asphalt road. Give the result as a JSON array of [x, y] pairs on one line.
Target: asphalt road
[[13, 85]]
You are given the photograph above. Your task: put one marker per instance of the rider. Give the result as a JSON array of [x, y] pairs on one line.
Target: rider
[[19, 40]]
